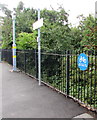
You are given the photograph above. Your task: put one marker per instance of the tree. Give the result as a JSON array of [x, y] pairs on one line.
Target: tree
[[5, 10], [88, 30], [27, 41], [7, 33], [55, 35], [20, 6], [24, 20], [6, 26], [76, 37]]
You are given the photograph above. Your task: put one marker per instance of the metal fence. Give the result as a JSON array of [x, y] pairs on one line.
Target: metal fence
[[27, 61], [0, 54], [6, 55], [61, 72]]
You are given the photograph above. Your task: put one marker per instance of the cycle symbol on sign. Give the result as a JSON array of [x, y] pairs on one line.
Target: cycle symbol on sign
[[82, 59]]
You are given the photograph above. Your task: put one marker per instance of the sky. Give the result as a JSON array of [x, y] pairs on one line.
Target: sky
[[73, 7]]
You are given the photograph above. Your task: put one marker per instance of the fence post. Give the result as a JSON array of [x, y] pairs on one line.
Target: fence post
[[0, 55], [25, 61], [36, 63], [67, 71]]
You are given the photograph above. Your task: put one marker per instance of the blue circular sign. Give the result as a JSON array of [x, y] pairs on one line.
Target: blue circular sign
[[82, 61]]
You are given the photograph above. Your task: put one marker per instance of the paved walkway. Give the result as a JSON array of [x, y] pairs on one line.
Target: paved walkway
[[23, 98]]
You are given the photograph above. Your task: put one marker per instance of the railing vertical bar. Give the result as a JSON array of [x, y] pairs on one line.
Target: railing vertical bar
[[81, 81], [84, 83], [73, 82], [36, 63], [65, 69], [78, 81], [88, 78], [76, 75], [62, 74], [25, 61], [71, 74], [55, 73], [91, 80], [67, 73], [94, 79], [59, 80]]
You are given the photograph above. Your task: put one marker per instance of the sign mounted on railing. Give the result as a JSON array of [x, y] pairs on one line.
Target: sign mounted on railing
[[82, 61]]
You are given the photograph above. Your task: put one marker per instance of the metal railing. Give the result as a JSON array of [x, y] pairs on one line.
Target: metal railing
[[61, 72], [27, 61], [0, 54], [6, 55]]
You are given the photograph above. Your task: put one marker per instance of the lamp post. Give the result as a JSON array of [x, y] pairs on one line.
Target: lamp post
[[14, 44], [96, 9]]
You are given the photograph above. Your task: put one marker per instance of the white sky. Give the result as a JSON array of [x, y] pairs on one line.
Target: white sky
[[73, 7]]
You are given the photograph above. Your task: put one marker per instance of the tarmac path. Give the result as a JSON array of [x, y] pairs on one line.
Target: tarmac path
[[23, 98]]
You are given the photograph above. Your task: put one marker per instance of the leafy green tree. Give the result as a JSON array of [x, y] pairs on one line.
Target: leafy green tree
[[7, 33], [20, 6], [55, 35], [88, 29], [24, 21], [76, 37], [27, 40], [6, 26], [5, 10]]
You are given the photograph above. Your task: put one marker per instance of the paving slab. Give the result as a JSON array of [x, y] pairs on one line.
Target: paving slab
[[23, 98]]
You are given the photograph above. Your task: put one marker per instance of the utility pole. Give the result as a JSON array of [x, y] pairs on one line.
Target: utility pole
[[14, 44], [37, 25], [39, 52]]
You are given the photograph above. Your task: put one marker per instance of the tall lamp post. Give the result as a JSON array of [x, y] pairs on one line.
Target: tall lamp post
[[14, 44], [96, 10]]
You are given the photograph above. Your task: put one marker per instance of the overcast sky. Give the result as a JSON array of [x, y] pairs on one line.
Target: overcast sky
[[73, 7]]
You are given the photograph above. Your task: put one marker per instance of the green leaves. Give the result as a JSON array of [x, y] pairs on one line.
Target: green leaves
[[88, 31], [7, 33], [56, 33], [27, 40]]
